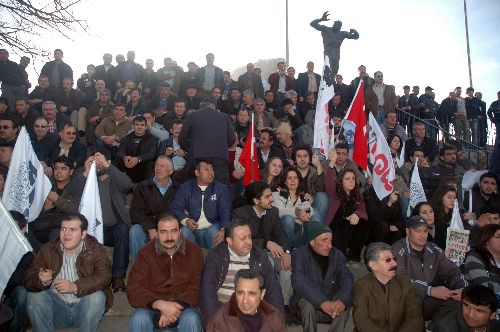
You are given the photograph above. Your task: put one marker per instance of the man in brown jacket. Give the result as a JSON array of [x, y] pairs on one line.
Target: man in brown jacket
[[68, 281], [247, 310], [384, 301], [380, 98], [164, 282]]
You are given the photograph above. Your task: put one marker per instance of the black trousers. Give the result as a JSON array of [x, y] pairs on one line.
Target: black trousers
[[350, 239], [117, 236]]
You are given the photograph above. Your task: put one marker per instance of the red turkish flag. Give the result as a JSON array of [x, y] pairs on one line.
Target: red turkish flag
[[356, 114], [249, 157]]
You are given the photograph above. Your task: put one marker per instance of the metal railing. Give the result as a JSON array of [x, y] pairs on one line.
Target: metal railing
[[444, 136]]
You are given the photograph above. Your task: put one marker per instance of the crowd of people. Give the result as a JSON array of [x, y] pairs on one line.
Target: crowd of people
[[207, 251]]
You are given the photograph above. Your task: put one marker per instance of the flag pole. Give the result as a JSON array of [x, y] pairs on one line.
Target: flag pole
[[251, 147]]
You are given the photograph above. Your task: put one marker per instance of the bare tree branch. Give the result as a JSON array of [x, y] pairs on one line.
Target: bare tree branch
[[23, 21]]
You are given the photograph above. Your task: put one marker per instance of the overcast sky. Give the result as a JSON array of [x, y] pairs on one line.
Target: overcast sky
[[414, 42]]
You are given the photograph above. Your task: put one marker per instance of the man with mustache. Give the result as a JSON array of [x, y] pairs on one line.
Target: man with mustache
[[164, 282], [225, 260], [437, 282], [383, 300]]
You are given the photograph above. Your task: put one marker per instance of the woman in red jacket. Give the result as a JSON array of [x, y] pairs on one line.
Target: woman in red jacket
[[347, 215]]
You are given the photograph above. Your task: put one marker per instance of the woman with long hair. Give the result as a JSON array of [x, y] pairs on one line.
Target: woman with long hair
[[273, 172], [482, 265], [442, 202], [294, 209], [346, 215], [395, 144]]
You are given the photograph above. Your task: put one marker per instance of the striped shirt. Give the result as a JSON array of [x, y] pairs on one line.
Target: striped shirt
[[236, 263], [68, 272]]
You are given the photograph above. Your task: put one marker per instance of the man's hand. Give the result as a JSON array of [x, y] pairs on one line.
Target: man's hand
[[393, 228], [441, 293], [152, 233], [65, 286], [192, 224], [218, 238], [133, 162], [52, 196], [338, 307], [109, 140], [45, 276], [100, 160], [353, 219], [327, 308], [317, 163], [456, 294], [88, 164], [180, 153], [469, 216], [286, 261], [275, 249], [325, 16], [332, 158], [393, 198], [169, 151], [170, 310], [63, 109], [238, 173]]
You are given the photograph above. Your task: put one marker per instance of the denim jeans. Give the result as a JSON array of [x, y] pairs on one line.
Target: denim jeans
[[203, 237], [142, 321], [117, 236], [296, 233], [320, 206], [137, 239], [381, 115], [17, 302], [48, 311], [474, 127]]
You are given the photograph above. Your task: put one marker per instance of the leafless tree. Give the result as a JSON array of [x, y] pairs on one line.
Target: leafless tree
[[23, 22]]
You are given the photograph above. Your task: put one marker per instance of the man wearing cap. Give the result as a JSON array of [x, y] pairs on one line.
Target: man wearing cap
[[322, 283], [383, 300], [208, 134], [437, 282]]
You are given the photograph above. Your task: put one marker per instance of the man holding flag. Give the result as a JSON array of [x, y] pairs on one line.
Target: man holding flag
[[113, 220]]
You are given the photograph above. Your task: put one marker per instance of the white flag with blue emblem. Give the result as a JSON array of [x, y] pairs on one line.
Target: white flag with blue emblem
[[90, 205], [326, 92], [14, 247], [26, 186]]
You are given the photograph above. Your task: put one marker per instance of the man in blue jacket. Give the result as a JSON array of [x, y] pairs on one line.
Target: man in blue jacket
[[203, 205], [322, 283], [222, 263]]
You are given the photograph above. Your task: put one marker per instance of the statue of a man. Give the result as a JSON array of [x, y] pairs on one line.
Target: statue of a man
[[332, 39]]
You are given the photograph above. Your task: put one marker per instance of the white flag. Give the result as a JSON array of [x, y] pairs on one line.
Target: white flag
[[417, 193], [90, 205], [381, 159], [26, 186], [456, 220], [326, 92], [401, 159], [14, 246]]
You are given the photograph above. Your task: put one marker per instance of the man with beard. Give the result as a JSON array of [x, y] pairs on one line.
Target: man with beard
[[384, 300], [164, 281], [483, 194]]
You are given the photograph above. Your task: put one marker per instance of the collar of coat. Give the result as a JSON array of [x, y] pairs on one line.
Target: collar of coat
[[180, 248]]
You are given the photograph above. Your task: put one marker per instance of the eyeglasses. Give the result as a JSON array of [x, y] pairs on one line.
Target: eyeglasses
[[43, 126], [5, 127]]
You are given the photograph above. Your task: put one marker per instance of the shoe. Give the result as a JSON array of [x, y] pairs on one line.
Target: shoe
[[118, 285], [290, 318]]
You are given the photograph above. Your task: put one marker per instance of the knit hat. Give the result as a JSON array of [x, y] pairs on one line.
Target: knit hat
[[415, 222], [315, 229], [284, 128]]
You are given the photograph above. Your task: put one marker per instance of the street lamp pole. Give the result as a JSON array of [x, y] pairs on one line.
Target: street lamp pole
[[467, 39], [287, 45]]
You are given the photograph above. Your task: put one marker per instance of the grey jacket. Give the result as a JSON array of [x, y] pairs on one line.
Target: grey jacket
[[435, 268]]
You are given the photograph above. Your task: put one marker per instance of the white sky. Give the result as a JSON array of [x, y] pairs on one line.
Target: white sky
[[414, 42]]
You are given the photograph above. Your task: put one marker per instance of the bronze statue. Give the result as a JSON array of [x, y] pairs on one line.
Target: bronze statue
[[332, 39]]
